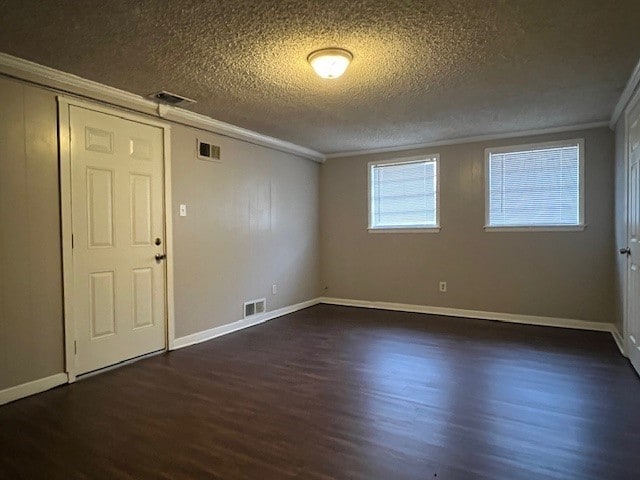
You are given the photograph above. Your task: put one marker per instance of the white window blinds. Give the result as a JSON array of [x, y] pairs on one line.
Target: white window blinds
[[535, 186], [404, 195]]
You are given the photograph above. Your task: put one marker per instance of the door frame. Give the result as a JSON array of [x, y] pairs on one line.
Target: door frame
[[64, 141], [633, 101]]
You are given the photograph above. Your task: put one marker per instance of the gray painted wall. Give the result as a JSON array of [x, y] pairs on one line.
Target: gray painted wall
[[252, 221], [31, 324], [554, 274]]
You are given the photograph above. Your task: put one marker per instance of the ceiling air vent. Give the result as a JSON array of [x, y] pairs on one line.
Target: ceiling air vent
[[208, 151], [169, 98]]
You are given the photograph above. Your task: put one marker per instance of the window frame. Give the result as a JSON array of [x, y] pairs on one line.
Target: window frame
[[432, 157], [533, 146]]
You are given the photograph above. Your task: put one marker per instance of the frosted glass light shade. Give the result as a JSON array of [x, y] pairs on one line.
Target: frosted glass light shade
[[330, 62]]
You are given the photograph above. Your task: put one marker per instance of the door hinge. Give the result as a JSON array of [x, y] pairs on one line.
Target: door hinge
[[75, 347], [72, 241]]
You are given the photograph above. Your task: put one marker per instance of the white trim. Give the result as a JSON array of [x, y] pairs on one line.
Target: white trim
[[69, 83], [96, 106], [168, 241], [64, 103], [476, 314], [180, 115], [625, 98], [536, 146], [240, 324], [625, 276], [544, 228], [619, 341], [434, 157], [405, 230], [463, 140], [64, 146], [31, 388]]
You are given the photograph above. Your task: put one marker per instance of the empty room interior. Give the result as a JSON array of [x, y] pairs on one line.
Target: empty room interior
[[376, 240]]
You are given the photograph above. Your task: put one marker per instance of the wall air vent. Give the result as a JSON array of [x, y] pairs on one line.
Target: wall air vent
[[208, 151], [169, 98], [254, 307]]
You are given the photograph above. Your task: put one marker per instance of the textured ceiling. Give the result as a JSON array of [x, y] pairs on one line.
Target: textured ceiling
[[422, 70]]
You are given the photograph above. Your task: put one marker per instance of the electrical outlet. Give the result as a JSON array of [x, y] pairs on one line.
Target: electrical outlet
[[183, 210], [443, 286], [274, 289]]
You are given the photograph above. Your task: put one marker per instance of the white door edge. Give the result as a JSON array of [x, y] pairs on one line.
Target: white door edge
[[628, 342], [626, 159], [64, 104]]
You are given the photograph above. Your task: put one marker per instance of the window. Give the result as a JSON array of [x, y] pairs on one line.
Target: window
[[535, 187], [403, 195]]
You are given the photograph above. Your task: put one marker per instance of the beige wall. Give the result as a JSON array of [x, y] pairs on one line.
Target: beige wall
[[555, 274], [252, 221], [620, 223], [31, 325]]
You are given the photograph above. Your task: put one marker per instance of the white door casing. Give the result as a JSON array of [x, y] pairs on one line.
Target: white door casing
[[116, 304], [632, 327]]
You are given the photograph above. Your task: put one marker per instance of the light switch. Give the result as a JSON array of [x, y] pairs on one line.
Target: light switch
[[183, 210]]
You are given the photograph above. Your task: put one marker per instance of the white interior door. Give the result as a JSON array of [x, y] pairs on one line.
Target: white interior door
[[117, 211], [633, 228]]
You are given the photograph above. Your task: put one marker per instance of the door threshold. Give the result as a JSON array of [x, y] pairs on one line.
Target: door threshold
[[119, 364]]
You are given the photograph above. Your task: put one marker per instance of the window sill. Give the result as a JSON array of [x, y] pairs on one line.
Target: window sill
[[549, 228], [405, 230]]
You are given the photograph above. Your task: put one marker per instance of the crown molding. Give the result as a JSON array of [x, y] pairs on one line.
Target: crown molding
[[68, 83], [626, 96], [463, 140], [72, 84], [180, 115]]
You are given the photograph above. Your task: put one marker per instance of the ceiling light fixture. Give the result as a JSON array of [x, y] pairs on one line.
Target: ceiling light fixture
[[330, 62]]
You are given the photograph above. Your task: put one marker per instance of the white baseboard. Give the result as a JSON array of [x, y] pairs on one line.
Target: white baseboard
[[31, 388], [619, 341], [240, 324], [477, 314]]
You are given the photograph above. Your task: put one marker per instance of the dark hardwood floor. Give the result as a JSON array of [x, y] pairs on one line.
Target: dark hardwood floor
[[344, 393]]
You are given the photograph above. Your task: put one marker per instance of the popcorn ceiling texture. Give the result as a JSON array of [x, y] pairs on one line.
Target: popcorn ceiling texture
[[422, 70]]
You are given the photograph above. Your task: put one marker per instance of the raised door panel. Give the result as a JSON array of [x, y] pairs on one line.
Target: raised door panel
[[140, 200], [142, 297], [102, 304], [140, 148], [99, 208], [98, 140], [634, 136], [634, 208]]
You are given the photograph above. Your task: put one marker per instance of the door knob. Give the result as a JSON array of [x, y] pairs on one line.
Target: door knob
[[160, 256], [625, 251]]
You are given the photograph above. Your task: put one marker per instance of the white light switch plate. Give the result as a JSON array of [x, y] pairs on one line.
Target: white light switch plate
[[183, 210]]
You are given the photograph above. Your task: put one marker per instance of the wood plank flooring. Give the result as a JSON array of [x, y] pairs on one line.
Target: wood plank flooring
[[344, 393]]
